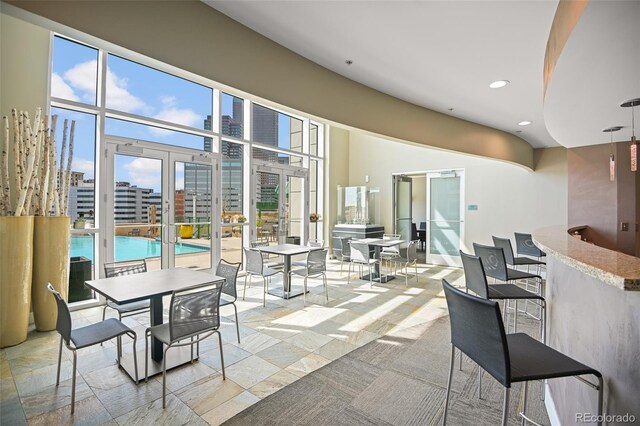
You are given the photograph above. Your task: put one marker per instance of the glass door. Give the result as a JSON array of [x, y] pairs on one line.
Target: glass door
[[161, 207], [280, 205], [445, 217], [402, 190]]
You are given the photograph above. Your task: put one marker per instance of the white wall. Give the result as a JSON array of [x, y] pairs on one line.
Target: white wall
[[509, 198], [419, 199]]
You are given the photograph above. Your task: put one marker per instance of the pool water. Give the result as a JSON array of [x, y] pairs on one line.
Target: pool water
[[129, 248]]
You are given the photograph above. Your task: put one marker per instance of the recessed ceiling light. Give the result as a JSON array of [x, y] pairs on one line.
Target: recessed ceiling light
[[498, 84], [348, 62], [524, 123]]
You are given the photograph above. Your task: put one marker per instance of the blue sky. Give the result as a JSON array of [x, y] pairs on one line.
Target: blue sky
[[135, 89]]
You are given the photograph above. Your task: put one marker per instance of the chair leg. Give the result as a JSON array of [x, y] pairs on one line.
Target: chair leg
[[505, 407], [135, 358], [164, 378], [480, 383], [446, 400], [73, 382], [224, 377], [349, 274], [304, 293], [244, 290], [371, 277], [524, 403], [515, 317], [59, 361], [237, 322], [416, 266], [264, 292], [104, 314], [191, 347], [146, 356], [326, 287], [600, 399]]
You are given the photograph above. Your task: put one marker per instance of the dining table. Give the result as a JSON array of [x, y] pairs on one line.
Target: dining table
[[286, 251], [378, 244], [152, 286]]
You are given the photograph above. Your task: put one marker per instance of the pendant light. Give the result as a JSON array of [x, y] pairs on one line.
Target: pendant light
[[632, 103], [612, 158]]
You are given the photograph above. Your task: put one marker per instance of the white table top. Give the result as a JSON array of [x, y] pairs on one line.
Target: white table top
[[135, 287], [379, 242], [286, 249]]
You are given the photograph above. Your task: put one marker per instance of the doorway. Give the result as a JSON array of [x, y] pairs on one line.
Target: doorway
[[445, 217], [280, 204], [159, 204]]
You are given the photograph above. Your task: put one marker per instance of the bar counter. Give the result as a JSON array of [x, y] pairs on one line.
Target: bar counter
[[593, 308]]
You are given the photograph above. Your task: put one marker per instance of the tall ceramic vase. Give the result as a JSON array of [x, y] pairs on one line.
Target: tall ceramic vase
[[51, 238], [16, 254]]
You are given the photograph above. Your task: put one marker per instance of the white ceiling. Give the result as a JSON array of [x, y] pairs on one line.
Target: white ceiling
[[437, 54]]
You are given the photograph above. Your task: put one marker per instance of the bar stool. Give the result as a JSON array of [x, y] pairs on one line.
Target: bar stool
[[478, 332]]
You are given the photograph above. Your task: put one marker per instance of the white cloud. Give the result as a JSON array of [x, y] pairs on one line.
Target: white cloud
[[185, 116], [83, 78], [84, 166], [60, 89], [118, 97], [179, 176], [144, 172]]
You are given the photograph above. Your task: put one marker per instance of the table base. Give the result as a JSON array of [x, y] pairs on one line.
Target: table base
[[279, 292], [383, 279], [176, 357]]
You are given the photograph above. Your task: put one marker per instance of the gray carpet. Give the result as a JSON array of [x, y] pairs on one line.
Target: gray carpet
[[393, 381]]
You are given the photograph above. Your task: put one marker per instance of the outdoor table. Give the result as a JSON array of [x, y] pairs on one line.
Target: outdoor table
[[286, 251], [377, 244], [152, 285]]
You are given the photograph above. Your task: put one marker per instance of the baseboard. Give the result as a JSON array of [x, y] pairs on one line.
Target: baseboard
[[554, 420]]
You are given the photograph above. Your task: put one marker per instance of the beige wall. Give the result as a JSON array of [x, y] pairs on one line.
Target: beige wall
[[419, 199], [24, 68], [337, 173], [194, 37], [509, 198]]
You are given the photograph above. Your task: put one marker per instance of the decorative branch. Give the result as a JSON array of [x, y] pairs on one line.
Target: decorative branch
[[51, 175], [6, 188], [67, 182]]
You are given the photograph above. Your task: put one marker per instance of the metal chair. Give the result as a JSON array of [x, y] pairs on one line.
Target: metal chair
[[389, 253], [117, 269], [193, 311], [360, 255], [478, 332], [266, 256], [406, 258], [229, 292], [342, 250], [86, 336], [310, 243], [315, 266], [255, 266], [495, 266], [476, 281], [525, 246]]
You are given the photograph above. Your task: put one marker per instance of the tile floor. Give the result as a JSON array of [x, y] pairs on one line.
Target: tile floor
[[279, 344]]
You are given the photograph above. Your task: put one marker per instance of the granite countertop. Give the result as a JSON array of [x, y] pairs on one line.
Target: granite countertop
[[613, 268]]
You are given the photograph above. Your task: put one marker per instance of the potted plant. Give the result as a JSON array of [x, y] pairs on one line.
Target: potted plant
[[314, 217], [80, 222], [241, 219]]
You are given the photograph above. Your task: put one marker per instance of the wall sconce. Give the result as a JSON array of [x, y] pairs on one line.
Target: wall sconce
[[612, 158], [632, 103]]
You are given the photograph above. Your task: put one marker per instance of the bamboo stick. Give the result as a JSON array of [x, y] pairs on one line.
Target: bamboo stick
[[61, 174], [33, 155], [16, 155], [5, 169], [67, 183], [44, 170], [26, 191], [51, 177]]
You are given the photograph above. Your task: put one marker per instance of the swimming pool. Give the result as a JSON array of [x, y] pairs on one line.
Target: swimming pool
[[129, 248]]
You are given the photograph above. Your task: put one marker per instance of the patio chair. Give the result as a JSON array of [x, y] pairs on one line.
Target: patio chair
[[255, 266], [83, 337], [266, 256], [117, 269], [315, 266], [192, 312], [407, 257], [360, 255], [229, 292]]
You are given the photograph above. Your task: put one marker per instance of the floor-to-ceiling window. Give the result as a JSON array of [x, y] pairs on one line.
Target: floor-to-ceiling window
[[164, 159]]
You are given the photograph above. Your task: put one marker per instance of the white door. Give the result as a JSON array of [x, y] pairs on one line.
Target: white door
[[159, 203], [445, 217], [280, 204]]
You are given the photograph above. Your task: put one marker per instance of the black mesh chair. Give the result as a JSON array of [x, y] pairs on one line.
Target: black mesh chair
[[495, 266], [315, 266], [229, 271], [87, 336], [476, 281], [342, 250], [360, 255], [478, 332], [512, 260], [192, 312], [525, 246], [255, 266], [117, 269]]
